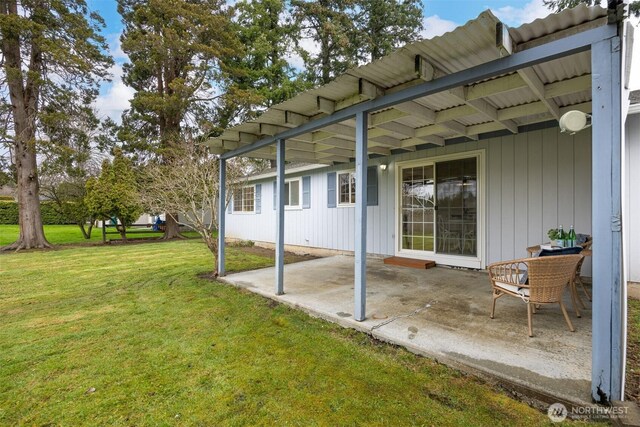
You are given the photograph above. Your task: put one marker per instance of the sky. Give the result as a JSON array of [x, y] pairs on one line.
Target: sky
[[440, 16]]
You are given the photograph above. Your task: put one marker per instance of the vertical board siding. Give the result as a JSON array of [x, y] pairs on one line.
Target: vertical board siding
[[631, 226], [533, 181]]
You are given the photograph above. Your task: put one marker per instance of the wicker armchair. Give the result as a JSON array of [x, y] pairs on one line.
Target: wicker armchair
[[534, 280]]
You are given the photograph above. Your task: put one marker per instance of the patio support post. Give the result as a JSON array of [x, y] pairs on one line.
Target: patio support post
[[222, 209], [360, 285], [607, 367], [280, 217]]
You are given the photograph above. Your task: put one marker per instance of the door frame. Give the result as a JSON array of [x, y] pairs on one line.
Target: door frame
[[479, 261]]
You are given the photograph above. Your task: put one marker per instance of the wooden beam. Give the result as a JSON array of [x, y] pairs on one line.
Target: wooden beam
[[484, 108], [339, 143], [423, 69], [341, 129], [504, 43], [386, 116], [537, 87], [386, 141], [294, 119], [325, 105], [454, 113], [430, 130], [460, 129], [379, 150], [398, 128], [271, 130], [368, 90], [495, 86], [523, 110], [337, 152], [417, 110], [321, 135], [565, 87]]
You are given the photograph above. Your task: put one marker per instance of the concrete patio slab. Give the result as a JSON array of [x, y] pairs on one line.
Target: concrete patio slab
[[444, 313]]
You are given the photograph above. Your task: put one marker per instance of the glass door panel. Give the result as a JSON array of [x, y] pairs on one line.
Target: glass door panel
[[456, 200], [417, 208]]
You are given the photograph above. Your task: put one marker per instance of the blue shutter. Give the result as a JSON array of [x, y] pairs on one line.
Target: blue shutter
[[230, 205], [258, 198], [331, 190], [306, 192], [275, 184], [372, 186]]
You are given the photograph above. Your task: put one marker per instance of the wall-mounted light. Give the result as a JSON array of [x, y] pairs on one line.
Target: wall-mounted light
[[574, 121], [383, 167]]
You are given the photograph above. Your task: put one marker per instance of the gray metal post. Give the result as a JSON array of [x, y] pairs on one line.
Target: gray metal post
[[280, 217], [222, 209], [607, 369], [360, 285]]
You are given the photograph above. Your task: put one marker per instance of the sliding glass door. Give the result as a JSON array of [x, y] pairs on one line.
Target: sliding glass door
[[439, 207], [456, 201]]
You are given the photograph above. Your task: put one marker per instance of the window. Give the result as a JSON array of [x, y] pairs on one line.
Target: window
[[346, 188], [292, 194], [243, 199]]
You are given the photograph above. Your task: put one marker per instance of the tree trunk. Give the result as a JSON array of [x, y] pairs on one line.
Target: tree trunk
[[172, 227], [24, 100]]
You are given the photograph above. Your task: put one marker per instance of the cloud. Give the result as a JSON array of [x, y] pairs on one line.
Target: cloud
[[516, 16], [115, 98], [307, 44], [115, 48], [436, 26]]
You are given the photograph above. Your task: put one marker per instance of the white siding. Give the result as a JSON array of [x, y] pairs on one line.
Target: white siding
[[632, 220], [535, 181]]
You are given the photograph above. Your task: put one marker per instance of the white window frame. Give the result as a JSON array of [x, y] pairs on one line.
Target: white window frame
[[244, 212], [290, 207], [344, 204]]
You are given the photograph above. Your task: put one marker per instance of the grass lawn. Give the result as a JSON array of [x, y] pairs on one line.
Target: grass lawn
[[70, 234], [129, 335]]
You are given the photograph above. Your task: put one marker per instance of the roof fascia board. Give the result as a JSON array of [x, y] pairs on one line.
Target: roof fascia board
[[570, 45]]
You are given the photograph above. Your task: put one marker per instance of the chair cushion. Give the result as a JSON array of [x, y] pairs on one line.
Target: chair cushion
[[564, 251], [513, 288]]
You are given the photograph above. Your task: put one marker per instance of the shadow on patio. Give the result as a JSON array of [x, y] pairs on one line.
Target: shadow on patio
[[444, 313]]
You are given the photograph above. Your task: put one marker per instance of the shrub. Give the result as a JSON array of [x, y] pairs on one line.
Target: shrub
[[9, 214]]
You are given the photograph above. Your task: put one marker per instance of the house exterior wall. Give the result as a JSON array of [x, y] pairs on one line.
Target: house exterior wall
[[631, 227], [534, 181]]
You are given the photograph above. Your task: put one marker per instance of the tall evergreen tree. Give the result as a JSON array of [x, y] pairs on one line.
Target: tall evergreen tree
[[330, 24], [177, 51], [51, 50], [262, 76], [385, 25]]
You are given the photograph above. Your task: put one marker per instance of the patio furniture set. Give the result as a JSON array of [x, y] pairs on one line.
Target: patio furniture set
[[542, 279]]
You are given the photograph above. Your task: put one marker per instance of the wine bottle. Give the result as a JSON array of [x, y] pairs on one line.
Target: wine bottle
[[571, 238], [560, 240]]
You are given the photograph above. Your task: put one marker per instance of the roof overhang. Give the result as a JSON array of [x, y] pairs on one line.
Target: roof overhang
[[480, 78]]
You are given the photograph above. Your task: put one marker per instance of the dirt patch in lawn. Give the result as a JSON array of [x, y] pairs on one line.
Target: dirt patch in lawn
[[632, 387], [289, 257], [256, 252]]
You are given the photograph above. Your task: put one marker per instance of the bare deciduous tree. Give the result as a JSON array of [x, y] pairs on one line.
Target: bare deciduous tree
[[189, 184]]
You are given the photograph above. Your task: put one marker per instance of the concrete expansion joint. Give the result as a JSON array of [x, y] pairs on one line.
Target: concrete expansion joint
[[402, 316]]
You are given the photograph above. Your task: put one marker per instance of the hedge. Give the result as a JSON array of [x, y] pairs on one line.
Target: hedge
[[9, 214]]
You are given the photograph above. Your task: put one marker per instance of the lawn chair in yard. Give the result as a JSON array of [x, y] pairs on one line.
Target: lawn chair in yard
[[535, 281]]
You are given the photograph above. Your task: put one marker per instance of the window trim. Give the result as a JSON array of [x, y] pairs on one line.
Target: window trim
[[338, 202], [243, 212], [299, 205]]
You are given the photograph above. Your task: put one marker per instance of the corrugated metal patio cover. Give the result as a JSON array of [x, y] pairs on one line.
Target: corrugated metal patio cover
[[530, 95]]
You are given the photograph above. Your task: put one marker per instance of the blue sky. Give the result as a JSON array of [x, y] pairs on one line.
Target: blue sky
[[440, 16]]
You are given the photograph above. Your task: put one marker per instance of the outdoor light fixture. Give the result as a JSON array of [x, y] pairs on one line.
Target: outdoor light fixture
[[574, 121], [383, 167]]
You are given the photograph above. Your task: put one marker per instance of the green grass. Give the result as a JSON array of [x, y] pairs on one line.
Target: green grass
[[71, 234], [129, 335]]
